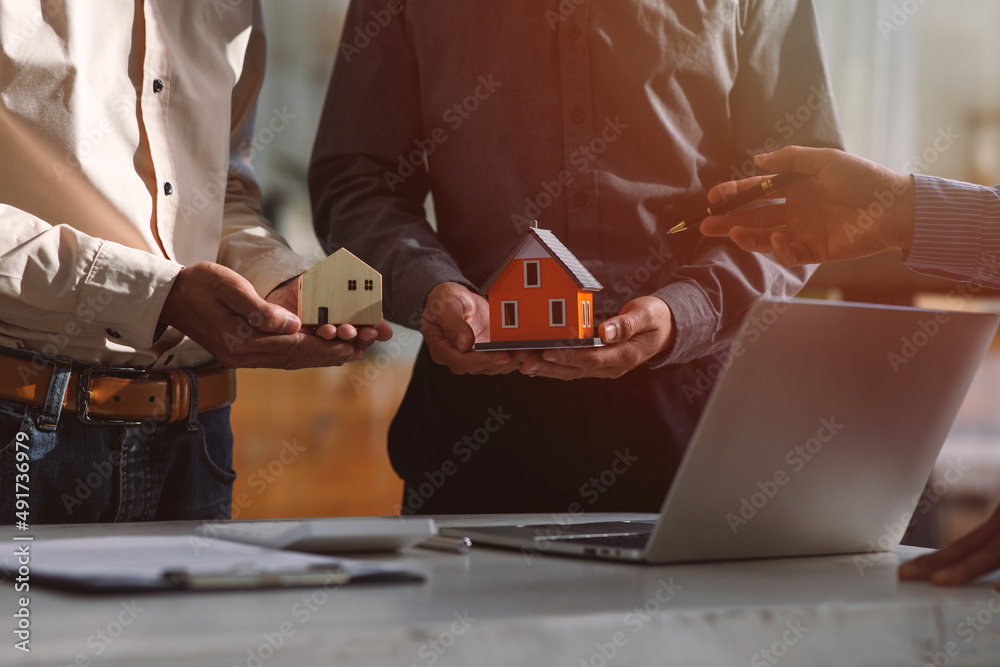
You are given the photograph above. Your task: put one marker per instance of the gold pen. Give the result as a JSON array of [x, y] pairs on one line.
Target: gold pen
[[763, 189]]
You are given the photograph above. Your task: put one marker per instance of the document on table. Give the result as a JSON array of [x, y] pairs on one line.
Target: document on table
[[178, 562]]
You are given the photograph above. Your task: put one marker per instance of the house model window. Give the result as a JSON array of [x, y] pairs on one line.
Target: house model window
[[532, 274], [557, 312], [352, 285], [509, 314], [369, 285]]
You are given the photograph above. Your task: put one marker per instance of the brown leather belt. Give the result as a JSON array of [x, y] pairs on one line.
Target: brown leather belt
[[120, 396]]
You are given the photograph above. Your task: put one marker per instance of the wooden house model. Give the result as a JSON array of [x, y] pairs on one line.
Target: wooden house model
[[340, 290], [540, 296]]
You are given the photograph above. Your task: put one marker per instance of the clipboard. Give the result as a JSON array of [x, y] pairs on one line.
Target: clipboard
[[158, 563]]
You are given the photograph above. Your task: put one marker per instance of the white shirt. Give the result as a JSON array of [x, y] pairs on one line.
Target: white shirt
[[125, 130]]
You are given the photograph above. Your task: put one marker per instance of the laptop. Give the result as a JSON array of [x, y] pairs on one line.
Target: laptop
[[820, 433]]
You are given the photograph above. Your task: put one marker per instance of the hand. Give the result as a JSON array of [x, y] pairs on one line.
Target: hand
[[849, 208], [970, 557], [287, 296], [219, 310], [643, 329], [454, 319]]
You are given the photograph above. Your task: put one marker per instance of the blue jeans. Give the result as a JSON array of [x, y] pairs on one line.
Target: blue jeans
[[80, 473]]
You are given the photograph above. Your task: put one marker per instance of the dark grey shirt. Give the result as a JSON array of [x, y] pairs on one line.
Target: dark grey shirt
[[607, 120]]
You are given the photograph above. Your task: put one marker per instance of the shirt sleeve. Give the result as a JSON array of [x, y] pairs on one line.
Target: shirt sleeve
[[782, 96], [249, 244], [56, 279], [956, 232], [359, 199]]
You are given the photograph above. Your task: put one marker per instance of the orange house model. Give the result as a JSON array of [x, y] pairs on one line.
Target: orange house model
[[540, 296]]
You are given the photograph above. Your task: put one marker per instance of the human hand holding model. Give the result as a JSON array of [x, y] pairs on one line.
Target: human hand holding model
[[848, 208], [454, 318], [221, 311], [642, 330]]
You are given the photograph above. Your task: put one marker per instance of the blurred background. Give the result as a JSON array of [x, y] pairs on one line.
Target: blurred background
[[905, 72]]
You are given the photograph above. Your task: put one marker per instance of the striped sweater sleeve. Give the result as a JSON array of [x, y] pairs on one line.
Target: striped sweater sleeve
[[956, 231]]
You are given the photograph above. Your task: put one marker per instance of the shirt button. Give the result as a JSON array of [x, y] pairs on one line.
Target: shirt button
[[581, 199], [157, 85], [113, 333], [168, 189], [574, 32], [579, 115]]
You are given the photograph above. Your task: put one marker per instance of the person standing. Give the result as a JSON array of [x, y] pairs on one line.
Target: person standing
[[133, 251], [602, 119]]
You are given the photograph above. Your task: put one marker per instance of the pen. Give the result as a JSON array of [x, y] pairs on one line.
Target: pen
[[458, 545], [763, 189]]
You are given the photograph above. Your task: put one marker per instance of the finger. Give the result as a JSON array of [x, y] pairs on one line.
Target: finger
[[294, 351], [790, 252], [797, 158], [462, 363], [326, 331], [924, 566], [625, 326], [366, 338], [347, 332], [752, 240], [266, 317], [724, 191], [975, 565], [384, 331]]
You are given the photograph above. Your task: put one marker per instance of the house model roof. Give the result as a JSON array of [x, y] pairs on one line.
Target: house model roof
[[554, 247]]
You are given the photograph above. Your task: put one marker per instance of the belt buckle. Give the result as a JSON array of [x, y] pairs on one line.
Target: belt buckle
[[83, 394]]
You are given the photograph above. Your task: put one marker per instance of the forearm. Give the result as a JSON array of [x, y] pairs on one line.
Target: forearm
[[57, 279], [956, 231], [708, 299]]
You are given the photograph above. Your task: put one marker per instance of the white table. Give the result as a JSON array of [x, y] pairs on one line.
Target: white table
[[498, 608]]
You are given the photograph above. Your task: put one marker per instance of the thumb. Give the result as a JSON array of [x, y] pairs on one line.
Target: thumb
[[622, 327], [457, 330], [266, 317], [804, 160]]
